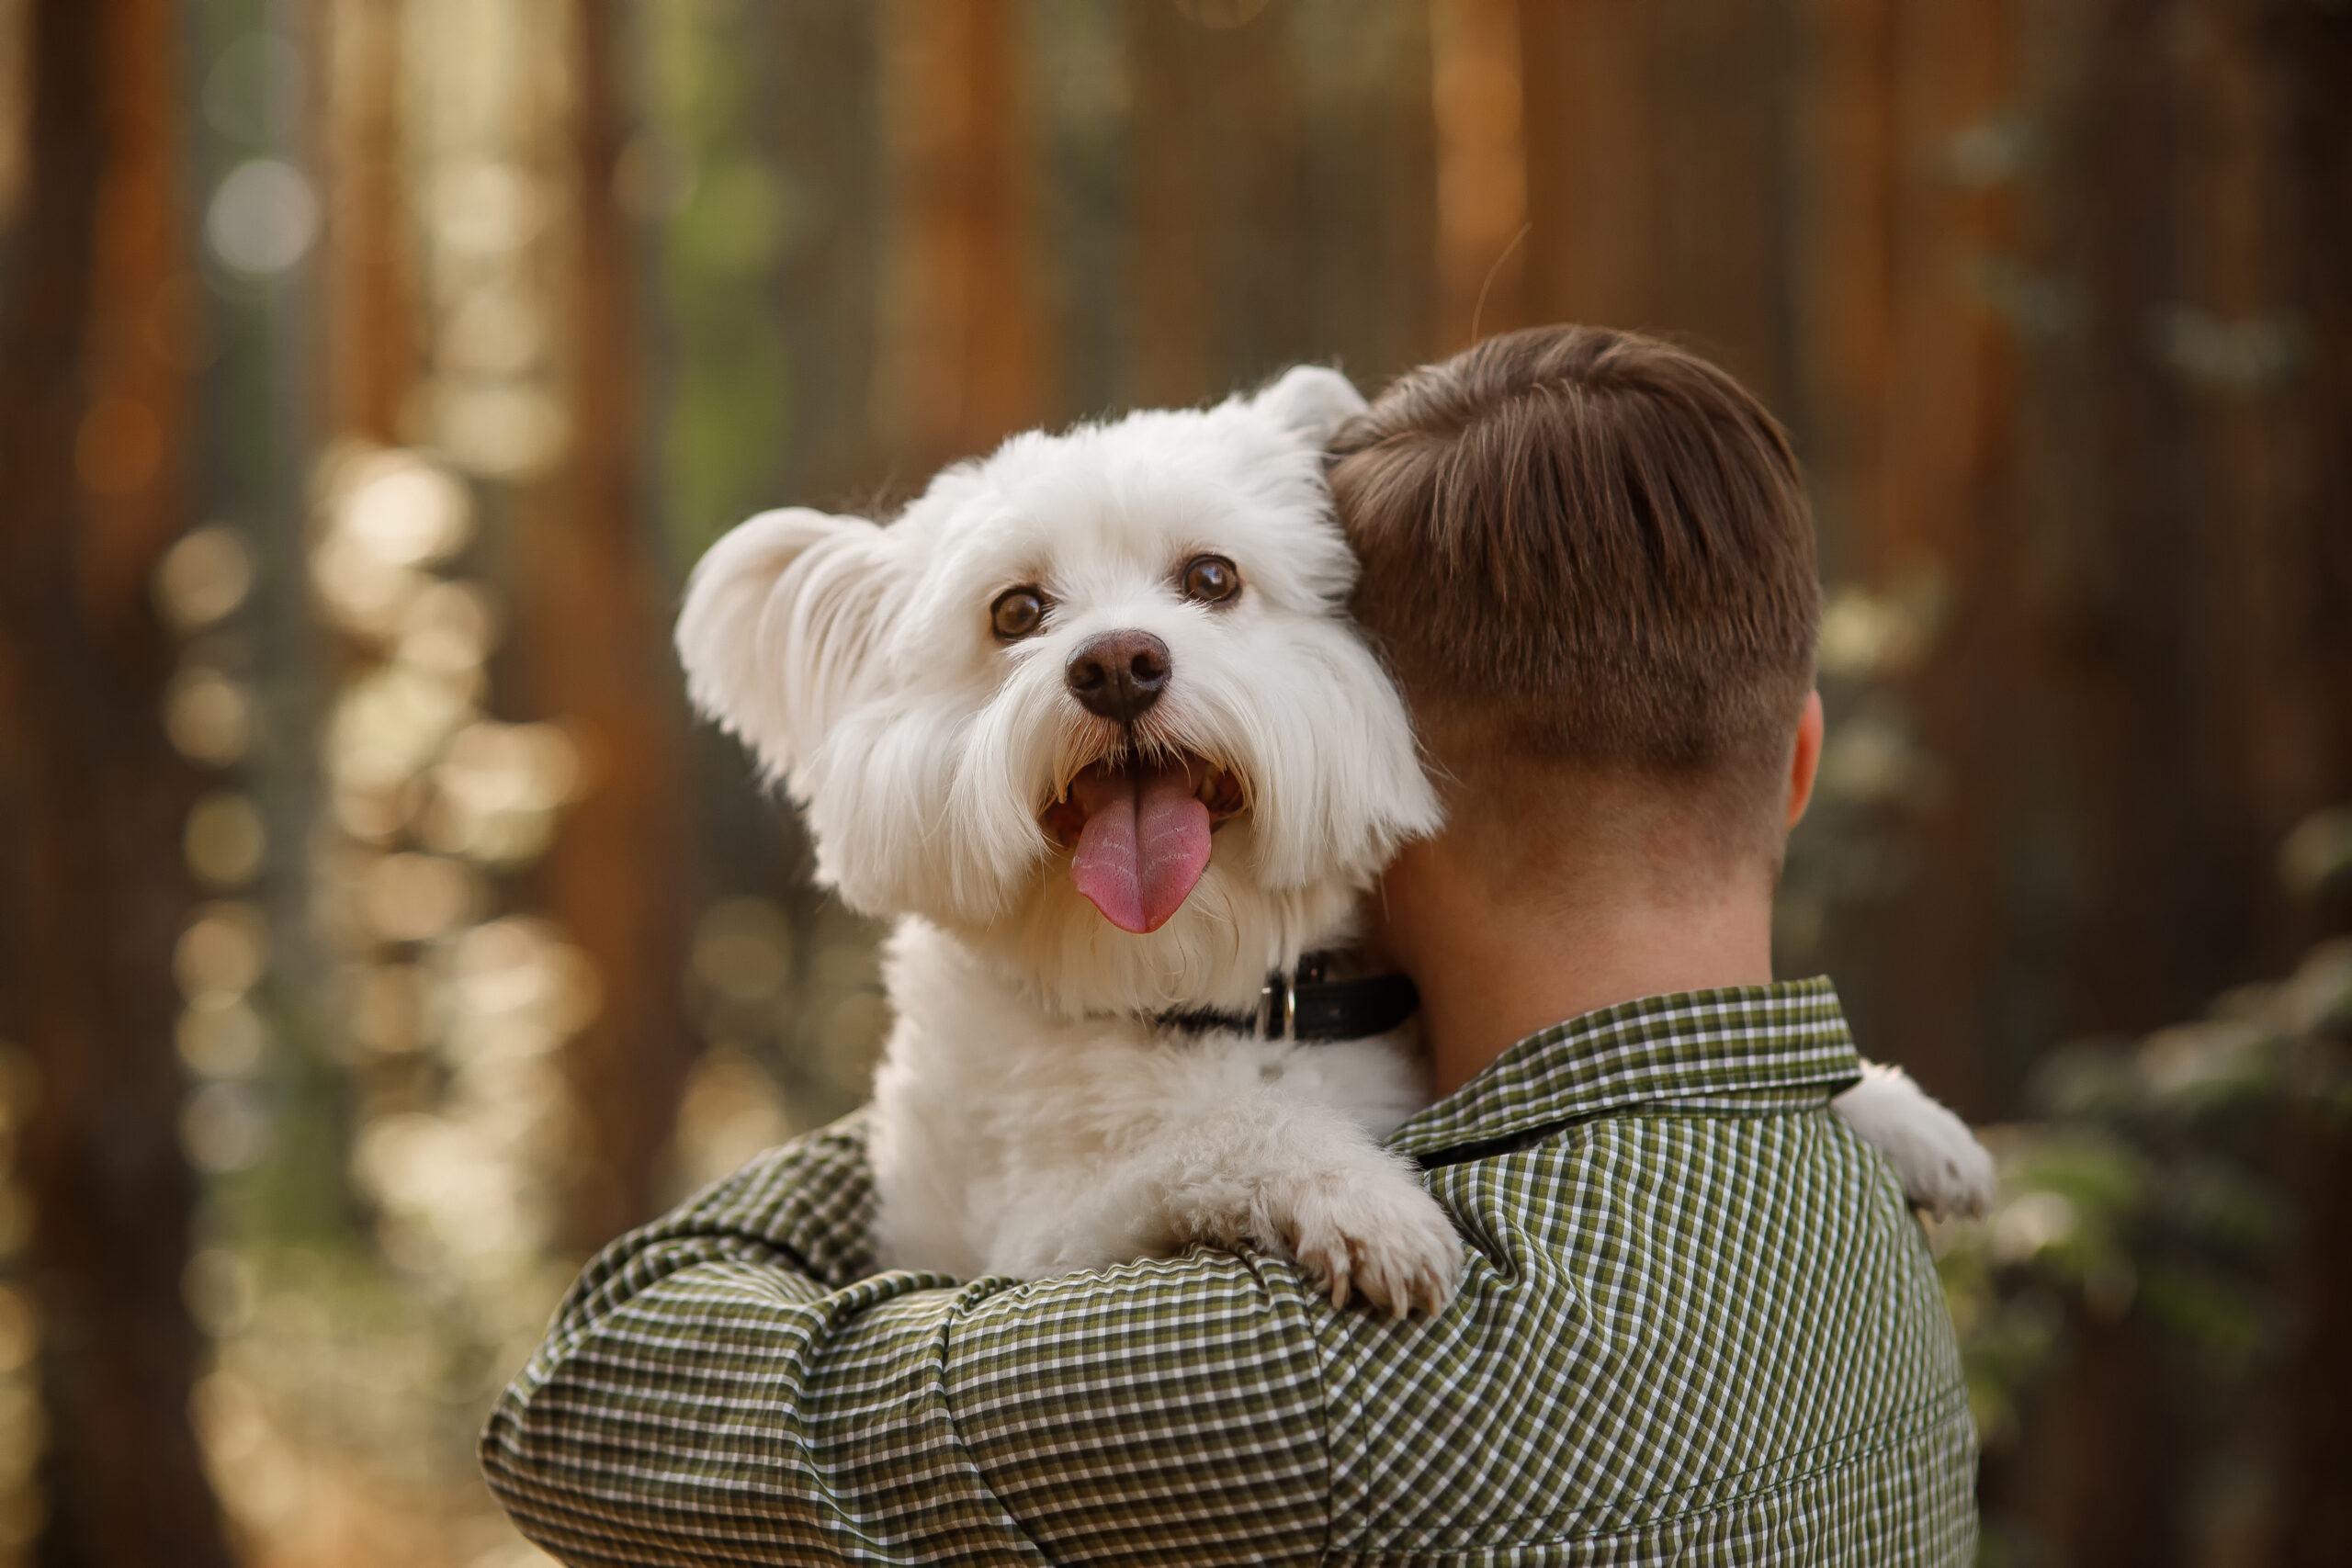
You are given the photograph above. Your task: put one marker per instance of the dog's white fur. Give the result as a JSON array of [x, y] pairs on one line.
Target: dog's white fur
[[1028, 1118], [1944, 1169]]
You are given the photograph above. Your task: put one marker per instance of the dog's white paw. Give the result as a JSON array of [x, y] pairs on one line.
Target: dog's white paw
[[1378, 1236], [1942, 1167]]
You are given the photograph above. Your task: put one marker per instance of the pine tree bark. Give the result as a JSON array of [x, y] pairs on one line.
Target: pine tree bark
[[966, 354], [824, 84], [1477, 100], [2306, 58], [1939, 506], [1587, 102], [92, 799], [1368, 186], [1218, 290], [367, 360], [594, 651]]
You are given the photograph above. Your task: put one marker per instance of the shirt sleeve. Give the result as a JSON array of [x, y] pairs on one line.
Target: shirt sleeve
[[734, 1385]]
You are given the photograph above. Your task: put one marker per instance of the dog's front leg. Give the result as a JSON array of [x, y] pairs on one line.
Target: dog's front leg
[[1294, 1177], [1942, 1167]]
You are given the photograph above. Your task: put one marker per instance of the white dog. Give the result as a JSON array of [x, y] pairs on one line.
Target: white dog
[[1088, 719]]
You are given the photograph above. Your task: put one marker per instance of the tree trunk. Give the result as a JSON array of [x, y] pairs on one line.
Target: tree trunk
[[1937, 507], [1368, 182], [92, 799], [1476, 99], [368, 361], [594, 651], [823, 100], [965, 349], [2306, 58], [1655, 171], [1216, 291]]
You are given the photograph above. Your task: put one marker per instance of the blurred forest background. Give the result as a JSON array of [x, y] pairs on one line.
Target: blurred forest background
[[378, 936]]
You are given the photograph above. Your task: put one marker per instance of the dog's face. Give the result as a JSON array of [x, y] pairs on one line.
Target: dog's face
[[1091, 703]]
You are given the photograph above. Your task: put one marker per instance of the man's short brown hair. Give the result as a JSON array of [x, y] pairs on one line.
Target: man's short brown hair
[[1586, 546]]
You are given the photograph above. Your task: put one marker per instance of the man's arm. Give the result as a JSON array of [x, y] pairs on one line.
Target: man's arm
[[731, 1385]]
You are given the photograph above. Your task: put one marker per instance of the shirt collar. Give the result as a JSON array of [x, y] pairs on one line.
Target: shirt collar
[[1733, 1048]]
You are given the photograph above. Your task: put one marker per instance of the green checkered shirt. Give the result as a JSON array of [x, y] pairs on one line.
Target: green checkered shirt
[[1698, 1325]]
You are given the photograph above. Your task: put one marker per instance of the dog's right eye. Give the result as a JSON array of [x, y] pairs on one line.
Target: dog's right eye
[[1016, 612]]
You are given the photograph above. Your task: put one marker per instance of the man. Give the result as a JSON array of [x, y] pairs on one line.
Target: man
[[1698, 1324]]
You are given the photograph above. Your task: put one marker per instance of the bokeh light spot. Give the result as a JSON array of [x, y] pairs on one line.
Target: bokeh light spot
[[19, 1330], [208, 717], [404, 510], [388, 1009], [413, 897], [221, 1036], [448, 628], [487, 209], [731, 1112], [225, 840], [262, 219], [219, 1289], [224, 1127], [221, 954], [204, 578], [742, 949], [505, 429]]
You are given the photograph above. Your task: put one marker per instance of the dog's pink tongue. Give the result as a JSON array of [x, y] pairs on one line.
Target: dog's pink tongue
[[1145, 844]]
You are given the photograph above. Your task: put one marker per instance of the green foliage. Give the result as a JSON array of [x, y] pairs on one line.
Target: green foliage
[[723, 213], [2149, 1197]]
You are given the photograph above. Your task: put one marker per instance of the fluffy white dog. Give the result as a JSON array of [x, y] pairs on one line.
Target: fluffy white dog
[[1089, 721]]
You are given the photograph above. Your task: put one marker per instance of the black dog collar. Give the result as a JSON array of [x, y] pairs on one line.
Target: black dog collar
[[1309, 1009]]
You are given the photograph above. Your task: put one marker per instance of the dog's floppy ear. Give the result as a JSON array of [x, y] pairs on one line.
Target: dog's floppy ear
[[780, 627], [1312, 402]]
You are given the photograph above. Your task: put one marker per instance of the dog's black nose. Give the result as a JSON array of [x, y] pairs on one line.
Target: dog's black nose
[[1118, 674]]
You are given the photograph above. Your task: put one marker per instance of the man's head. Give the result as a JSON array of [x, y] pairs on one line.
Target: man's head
[[1588, 559]]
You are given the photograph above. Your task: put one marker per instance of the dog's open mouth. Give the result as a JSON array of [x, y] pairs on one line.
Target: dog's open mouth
[[1140, 832]]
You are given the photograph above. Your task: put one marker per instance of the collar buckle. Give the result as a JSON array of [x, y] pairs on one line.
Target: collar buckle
[[1277, 1008], [1309, 1009]]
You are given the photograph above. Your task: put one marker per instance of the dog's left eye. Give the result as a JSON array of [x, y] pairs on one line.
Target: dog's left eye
[[1211, 579], [1016, 612]]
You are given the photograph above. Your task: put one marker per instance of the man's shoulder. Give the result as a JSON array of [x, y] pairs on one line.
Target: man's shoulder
[[1666, 1314]]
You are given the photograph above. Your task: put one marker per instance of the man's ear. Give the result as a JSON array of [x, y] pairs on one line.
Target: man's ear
[[1312, 402], [780, 627], [1804, 763]]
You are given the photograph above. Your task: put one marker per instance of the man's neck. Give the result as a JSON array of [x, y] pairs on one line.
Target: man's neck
[[1495, 967]]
